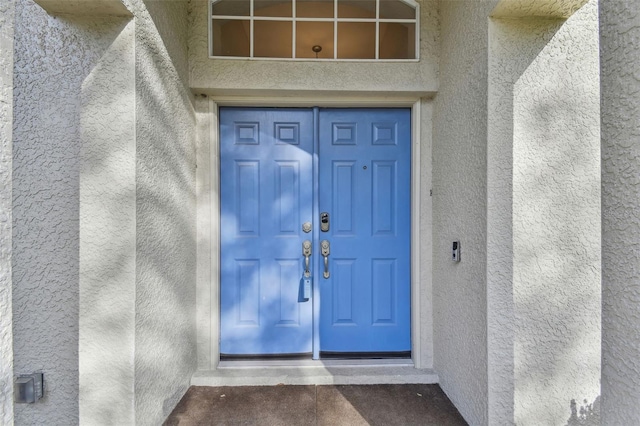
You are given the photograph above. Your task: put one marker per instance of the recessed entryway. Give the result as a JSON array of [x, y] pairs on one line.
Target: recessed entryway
[[209, 227]]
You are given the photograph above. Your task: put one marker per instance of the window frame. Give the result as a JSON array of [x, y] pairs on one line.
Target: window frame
[[335, 20]]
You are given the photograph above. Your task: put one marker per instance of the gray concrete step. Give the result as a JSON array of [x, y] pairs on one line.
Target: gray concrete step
[[309, 372]]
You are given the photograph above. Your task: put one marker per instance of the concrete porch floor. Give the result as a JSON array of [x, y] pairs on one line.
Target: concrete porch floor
[[398, 404]]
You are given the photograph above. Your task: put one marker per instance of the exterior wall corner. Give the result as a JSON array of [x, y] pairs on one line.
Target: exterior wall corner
[[7, 12], [620, 144]]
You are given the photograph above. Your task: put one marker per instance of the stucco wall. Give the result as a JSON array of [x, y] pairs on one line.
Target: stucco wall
[[518, 347], [556, 227], [104, 239], [170, 21], [7, 11], [166, 218], [620, 59], [224, 76], [459, 205], [108, 234], [53, 58], [500, 310], [543, 169]]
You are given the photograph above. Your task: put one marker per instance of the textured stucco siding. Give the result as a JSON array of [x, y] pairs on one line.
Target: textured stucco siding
[[620, 59], [166, 217], [104, 223], [53, 58], [518, 347], [544, 214], [562, 9], [107, 234], [7, 11], [500, 310], [235, 76], [556, 226], [459, 205], [170, 20]]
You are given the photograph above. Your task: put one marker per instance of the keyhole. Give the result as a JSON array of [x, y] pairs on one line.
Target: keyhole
[[364, 167]]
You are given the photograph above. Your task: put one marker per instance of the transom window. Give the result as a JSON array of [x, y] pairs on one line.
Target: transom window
[[384, 30]]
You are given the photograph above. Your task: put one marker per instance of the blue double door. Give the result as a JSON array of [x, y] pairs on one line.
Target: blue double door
[[315, 232]]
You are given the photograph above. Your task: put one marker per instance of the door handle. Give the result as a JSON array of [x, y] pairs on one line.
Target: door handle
[[306, 252], [325, 248]]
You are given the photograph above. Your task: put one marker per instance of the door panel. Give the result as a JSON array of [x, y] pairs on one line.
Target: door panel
[[266, 181], [365, 161]]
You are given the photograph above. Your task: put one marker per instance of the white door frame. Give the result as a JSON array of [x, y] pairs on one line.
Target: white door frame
[[208, 201]]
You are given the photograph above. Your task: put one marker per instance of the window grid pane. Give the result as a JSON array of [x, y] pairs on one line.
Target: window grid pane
[[231, 7], [312, 34], [231, 37], [357, 9], [272, 39], [356, 40], [315, 8], [273, 8]]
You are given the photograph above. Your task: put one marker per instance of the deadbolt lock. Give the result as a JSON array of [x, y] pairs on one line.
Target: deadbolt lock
[[324, 222]]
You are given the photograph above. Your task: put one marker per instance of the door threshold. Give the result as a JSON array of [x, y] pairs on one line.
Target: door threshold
[[312, 372], [271, 363]]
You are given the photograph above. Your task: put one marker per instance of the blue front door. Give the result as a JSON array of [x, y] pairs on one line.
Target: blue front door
[[279, 169], [365, 178], [266, 179]]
